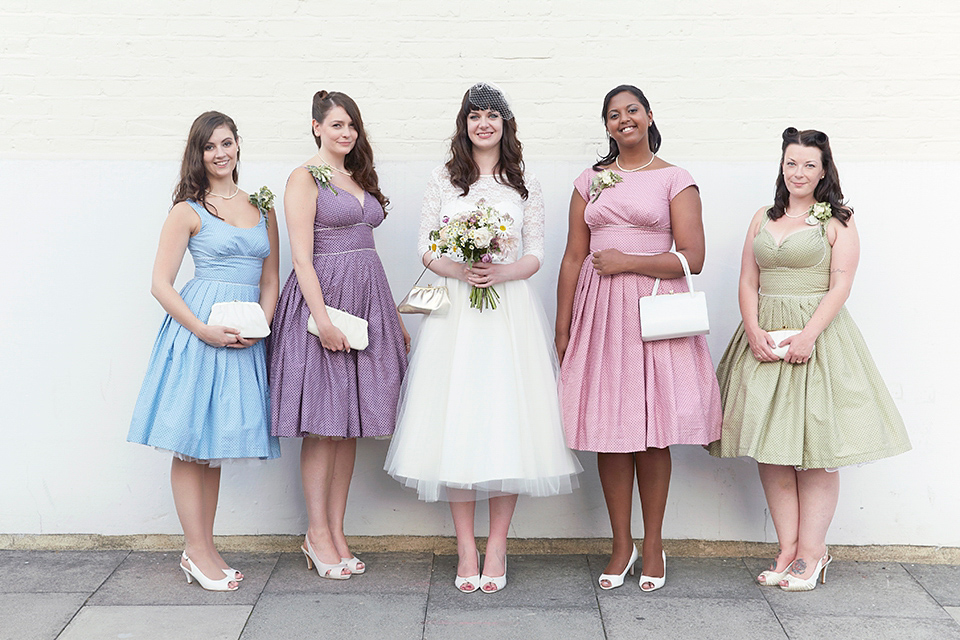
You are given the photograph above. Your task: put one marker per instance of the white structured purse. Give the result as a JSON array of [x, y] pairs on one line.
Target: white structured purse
[[246, 317], [354, 328], [675, 315]]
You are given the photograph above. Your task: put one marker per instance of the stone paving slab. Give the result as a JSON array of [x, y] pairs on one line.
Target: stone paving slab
[[541, 581], [859, 589], [511, 623], [686, 578], [158, 622], [56, 571], [388, 572], [37, 615], [954, 612], [368, 616], [941, 581], [872, 628], [155, 578], [678, 617]]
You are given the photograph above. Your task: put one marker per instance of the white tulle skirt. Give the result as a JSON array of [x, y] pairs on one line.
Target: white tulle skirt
[[479, 408]]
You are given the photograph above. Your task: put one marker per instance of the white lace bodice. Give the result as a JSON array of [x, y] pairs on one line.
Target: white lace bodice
[[443, 198]]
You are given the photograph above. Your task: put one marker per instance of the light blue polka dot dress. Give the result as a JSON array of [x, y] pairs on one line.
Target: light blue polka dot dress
[[203, 402]]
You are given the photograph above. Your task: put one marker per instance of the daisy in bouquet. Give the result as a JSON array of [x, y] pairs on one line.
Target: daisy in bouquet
[[479, 235]]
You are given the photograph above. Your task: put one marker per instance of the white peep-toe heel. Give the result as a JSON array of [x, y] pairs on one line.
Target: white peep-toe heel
[[656, 582], [193, 573], [324, 570], [616, 580], [468, 584], [498, 583]]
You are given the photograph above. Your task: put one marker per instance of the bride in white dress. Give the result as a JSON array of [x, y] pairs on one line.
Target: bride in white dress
[[479, 415]]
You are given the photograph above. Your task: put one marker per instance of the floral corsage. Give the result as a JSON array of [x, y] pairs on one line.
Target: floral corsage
[[323, 174], [819, 212], [603, 180], [263, 200]]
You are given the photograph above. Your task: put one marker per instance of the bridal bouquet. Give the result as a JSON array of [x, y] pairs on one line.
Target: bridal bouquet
[[479, 235]]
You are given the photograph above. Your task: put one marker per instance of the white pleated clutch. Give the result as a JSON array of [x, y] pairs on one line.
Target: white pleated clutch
[[354, 328]]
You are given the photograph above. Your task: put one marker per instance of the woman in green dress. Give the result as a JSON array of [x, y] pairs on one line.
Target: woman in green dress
[[810, 400]]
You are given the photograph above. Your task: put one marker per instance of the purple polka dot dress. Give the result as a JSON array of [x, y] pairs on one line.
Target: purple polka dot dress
[[334, 393]]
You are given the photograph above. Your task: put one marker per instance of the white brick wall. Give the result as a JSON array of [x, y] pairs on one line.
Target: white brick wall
[[111, 79], [96, 97]]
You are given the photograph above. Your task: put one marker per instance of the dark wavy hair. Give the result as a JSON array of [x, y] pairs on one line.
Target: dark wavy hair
[[463, 169], [827, 190], [359, 162], [653, 134], [193, 183]]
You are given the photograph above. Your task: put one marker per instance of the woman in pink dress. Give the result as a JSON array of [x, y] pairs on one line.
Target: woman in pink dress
[[626, 399]]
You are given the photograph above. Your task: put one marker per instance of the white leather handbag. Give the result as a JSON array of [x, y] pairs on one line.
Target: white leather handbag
[[674, 315], [246, 317], [354, 328]]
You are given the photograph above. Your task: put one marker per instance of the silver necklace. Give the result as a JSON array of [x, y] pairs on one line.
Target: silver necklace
[[617, 162], [235, 192]]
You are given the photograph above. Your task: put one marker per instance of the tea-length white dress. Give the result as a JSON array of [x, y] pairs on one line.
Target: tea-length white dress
[[479, 407]]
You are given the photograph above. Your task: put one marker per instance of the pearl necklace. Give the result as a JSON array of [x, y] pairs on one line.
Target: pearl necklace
[[235, 192], [327, 164], [617, 162], [797, 215]]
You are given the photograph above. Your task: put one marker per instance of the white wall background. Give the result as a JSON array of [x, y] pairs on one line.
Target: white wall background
[[96, 99]]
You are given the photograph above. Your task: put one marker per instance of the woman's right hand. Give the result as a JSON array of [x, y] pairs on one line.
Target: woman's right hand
[[332, 338], [761, 345], [218, 336]]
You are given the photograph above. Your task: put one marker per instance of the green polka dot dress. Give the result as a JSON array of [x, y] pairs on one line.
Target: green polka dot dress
[[833, 411]]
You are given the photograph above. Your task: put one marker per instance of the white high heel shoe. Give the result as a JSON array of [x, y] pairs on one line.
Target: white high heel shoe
[[656, 582], [355, 564], [799, 584], [616, 580], [498, 582], [469, 584], [193, 573], [324, 570]]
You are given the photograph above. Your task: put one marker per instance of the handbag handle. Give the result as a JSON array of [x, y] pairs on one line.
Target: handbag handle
[[686, 273], [423, 272]]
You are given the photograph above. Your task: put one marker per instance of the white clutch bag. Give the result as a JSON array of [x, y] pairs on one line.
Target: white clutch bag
[[675, 315], [354, 328], [779, 336], [246, 317]]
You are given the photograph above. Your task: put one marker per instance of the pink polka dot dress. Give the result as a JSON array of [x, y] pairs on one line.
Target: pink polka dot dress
[[619, 394]]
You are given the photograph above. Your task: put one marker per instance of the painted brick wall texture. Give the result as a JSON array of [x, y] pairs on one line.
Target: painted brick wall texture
[[113, 79]]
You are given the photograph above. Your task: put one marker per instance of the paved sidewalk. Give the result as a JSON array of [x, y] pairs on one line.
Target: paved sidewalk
[[89, 595]]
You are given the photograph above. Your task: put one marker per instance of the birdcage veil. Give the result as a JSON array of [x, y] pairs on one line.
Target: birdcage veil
[[485, 95]]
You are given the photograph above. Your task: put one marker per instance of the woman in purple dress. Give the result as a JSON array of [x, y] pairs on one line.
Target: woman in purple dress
[[626, 399], [322, 389]]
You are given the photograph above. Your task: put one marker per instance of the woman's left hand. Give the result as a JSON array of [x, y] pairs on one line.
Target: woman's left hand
[[487, 274], [800, 348], [242, 343], [610, 261]]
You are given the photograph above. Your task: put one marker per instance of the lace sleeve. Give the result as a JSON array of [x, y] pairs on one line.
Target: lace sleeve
[[533, 219], [429, 212]]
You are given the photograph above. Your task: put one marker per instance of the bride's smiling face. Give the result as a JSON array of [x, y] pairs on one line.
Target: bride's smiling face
[[485, 129]]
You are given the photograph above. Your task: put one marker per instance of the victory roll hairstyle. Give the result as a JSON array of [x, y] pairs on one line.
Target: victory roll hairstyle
[[193, 183], [359, 162], [461, 166], [827, 190]]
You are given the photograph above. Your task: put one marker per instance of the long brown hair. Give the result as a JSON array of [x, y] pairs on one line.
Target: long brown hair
[[827, 190], [359, 162], [194, 183], [463, 169], [653, 134]]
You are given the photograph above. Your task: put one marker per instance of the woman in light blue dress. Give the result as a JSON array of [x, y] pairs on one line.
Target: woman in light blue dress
[[205, 395]]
